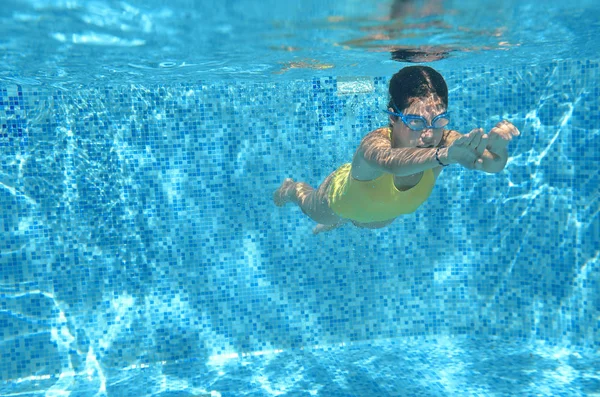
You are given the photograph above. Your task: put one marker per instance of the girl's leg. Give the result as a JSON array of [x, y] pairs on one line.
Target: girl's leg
[[326, 228], [373, 225], [313, 202]]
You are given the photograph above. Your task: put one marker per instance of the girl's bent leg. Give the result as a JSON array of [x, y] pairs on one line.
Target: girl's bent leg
[[326, 228], [373, 225], [313, 202]]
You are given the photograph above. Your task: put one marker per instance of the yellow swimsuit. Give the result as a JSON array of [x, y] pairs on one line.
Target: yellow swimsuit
[[377, 200]]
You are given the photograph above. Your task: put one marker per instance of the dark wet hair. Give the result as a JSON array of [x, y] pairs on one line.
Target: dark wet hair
[[414, 82]]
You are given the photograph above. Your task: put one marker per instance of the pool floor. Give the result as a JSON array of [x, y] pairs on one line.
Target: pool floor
[[444, 366]]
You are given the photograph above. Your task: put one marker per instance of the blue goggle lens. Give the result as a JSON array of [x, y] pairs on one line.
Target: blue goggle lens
[[419, 124]]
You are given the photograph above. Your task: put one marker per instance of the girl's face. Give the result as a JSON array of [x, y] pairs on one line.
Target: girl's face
[[426, 107]]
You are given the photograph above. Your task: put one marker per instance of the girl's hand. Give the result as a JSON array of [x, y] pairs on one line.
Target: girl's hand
[[468, 149], [500, 136]]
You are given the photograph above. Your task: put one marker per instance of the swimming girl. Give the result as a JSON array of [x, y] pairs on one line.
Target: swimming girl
[[394, 168]]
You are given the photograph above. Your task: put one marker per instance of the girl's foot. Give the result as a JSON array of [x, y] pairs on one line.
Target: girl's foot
[[285, 193]]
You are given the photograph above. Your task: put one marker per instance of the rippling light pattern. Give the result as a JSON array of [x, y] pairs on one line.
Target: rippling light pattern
[[140, 242], [141, 253]]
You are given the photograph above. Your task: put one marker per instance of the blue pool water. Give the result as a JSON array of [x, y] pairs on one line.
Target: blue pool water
[[142, 255]]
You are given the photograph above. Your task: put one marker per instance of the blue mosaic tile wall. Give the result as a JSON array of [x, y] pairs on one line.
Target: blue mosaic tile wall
[[138, 224]]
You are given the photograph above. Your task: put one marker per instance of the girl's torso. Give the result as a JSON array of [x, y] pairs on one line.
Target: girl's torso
[[362, 171], [404, 183]]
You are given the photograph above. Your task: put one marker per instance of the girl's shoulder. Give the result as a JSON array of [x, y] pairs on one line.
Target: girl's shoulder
[[382, 131]]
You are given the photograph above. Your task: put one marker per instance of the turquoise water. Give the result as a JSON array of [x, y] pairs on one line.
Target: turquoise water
[[113, 42], [141, 253], [409, 367]]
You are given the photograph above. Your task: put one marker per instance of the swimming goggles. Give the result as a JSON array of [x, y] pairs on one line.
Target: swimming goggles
[[418, 123]]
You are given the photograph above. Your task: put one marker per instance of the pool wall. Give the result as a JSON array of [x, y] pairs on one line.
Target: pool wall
[[138, 222]]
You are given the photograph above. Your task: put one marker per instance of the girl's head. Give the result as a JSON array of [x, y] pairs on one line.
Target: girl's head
[[418, 92], [414, 82]]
